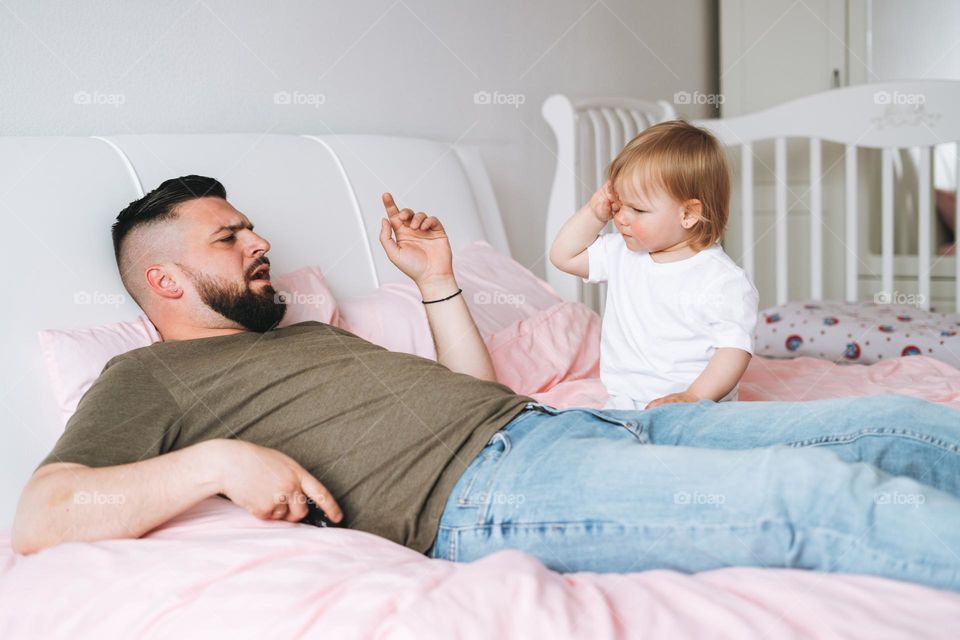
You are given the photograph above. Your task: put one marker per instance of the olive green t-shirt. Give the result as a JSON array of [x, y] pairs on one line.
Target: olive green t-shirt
[[389, 434]]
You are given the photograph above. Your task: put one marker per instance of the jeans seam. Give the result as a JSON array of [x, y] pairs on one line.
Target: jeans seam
[[456, 531], [876, 432]]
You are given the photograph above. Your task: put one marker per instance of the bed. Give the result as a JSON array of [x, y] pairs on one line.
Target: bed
[[216, 570]]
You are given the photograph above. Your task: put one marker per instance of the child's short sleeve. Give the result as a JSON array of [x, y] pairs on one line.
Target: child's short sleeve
[[731, 311], [599, 256]]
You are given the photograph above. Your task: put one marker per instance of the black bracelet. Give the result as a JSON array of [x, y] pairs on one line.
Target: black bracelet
[[459, 291]]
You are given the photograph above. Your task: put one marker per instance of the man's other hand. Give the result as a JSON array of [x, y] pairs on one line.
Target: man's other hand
[[269, 484]]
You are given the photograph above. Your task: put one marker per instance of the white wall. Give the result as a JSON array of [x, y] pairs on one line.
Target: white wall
[[404, 67]]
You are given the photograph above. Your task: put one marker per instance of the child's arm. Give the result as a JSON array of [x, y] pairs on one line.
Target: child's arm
[[722, 374], [569, 250]]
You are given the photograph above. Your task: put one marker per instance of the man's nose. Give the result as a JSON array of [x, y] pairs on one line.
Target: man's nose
[[258, 244]]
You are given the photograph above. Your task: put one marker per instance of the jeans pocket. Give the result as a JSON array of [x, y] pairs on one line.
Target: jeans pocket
[[478, 478]]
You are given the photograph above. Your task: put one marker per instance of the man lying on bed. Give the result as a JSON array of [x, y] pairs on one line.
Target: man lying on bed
[[442, 459]]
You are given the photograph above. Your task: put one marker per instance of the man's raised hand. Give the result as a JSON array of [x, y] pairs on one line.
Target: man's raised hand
[[415, 242]]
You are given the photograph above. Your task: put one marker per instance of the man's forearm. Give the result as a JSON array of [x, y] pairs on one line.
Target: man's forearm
[[458, 342], [124, 501]]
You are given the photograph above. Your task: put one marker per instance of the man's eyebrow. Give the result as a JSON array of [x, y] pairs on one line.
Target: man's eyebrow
[[233, 227]]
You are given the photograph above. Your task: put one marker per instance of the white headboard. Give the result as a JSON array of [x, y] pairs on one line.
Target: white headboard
[[315, 198]]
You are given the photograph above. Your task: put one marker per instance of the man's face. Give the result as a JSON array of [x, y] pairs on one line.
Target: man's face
[[227, 264]]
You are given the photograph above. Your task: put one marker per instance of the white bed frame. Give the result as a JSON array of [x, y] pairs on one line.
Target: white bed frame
[[315, 198], [890, 117]]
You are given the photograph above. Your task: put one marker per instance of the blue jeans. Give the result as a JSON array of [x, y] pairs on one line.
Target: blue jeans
[[855, 485]]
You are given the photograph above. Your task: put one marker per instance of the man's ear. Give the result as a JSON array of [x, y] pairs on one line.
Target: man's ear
[[162, 282], [692, 213]]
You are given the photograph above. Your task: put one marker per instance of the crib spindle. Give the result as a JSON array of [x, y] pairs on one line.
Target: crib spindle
[[641, 120], [746, 199], [816, 221], [615, 133], [886, 222], [780, 167], [923, 231], [601, 153], [851, 237], [629, 127]]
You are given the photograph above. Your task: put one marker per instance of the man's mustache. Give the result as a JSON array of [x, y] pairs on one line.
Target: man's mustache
[[256, 265]]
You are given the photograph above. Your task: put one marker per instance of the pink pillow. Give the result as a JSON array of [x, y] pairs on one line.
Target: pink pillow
[[75, 357], [308, 297], [498, 290], [557, 345], [393, 317]]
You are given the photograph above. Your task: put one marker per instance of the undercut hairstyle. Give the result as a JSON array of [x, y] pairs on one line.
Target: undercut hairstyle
[[158, 206], [688, 163], [161, 204]]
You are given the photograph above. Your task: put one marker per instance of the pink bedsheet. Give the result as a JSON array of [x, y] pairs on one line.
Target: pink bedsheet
[[216, 571], [806, 379]]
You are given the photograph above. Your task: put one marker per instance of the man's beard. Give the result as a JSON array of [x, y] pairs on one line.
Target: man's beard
[[257, 311]]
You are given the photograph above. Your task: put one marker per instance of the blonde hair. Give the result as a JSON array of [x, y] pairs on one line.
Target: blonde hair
[[688, 163]]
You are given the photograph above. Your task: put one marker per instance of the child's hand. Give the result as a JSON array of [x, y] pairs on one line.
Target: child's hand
[[604, 203], [683, 396]]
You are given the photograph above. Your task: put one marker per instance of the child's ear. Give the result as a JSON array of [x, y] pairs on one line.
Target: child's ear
[[692, 212]]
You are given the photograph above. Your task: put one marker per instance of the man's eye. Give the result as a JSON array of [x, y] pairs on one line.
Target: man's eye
[[227, 239]]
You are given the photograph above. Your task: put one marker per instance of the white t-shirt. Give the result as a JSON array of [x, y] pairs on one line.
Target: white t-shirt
[[663, 321]]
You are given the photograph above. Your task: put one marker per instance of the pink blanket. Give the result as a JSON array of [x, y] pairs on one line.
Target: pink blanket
[[216, 571]]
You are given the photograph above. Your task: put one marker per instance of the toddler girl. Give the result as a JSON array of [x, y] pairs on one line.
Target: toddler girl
[[679, 314]]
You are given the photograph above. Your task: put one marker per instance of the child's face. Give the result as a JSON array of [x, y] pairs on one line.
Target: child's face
[[649, 219]]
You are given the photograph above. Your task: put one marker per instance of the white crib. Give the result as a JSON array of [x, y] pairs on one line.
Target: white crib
[[903, 121]]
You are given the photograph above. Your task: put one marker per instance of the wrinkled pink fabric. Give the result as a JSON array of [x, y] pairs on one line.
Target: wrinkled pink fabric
[[216, 571], [813, 379]]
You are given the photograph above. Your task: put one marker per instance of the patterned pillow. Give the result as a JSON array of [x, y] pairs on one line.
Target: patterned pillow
[[860, 333]]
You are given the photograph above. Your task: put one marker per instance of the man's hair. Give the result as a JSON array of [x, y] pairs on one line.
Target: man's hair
[[687, 162], [161, 204]]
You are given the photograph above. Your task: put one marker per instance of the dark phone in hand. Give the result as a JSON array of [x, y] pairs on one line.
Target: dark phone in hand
[[316, 517]]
